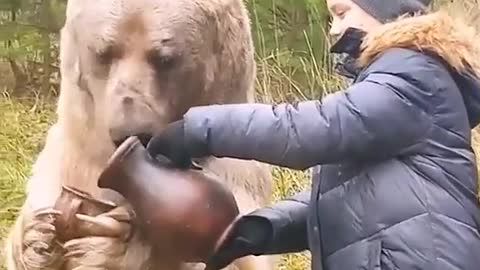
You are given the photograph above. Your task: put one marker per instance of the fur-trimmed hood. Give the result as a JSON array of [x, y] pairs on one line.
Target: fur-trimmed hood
[[452, 39], [457, 43]]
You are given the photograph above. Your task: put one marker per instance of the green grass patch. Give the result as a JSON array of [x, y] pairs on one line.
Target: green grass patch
[[22, 130]]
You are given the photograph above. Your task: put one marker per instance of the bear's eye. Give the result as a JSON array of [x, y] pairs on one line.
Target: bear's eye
[[161, 62], [106, 55]]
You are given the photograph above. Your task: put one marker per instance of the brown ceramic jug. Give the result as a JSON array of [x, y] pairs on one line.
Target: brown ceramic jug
[[182, 212], [71, 202]]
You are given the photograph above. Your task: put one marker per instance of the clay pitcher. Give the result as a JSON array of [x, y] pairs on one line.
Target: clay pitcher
[[183, 213]]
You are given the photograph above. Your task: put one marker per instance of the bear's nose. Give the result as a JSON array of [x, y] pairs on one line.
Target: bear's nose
[[127, 101]]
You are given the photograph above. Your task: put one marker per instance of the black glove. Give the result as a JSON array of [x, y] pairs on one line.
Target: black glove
[[170, 144], [248, 236]]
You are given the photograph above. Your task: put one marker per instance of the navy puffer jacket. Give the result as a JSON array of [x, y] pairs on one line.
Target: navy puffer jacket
[[395, 178]]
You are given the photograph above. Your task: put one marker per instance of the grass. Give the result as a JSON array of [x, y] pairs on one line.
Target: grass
[[22, 131]]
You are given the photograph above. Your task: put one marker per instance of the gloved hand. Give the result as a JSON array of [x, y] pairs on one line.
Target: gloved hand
[[171, 144], [249, 235]]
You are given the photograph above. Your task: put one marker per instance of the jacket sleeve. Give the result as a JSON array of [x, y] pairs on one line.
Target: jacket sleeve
[[288, 220], [371, 119]]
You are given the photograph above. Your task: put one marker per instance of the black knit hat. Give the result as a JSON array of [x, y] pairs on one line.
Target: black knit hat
[[386, 10]]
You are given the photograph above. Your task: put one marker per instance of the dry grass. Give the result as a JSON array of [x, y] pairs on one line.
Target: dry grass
[[22, 130]]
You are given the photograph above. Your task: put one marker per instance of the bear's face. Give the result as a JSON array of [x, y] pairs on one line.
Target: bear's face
[[146, 62]]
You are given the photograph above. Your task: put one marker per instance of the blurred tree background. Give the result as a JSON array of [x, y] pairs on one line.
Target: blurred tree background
[[29, 31], [292, 62]]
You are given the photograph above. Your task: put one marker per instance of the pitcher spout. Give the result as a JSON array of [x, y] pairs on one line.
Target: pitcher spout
[[113, 176]]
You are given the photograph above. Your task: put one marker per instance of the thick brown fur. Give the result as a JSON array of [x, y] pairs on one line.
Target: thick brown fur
[[131, 67]]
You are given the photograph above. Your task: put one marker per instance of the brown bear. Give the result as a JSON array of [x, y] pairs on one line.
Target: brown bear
[[129, 67]]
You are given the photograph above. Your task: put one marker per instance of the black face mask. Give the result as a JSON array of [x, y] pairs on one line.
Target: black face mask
[[346, 51]]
